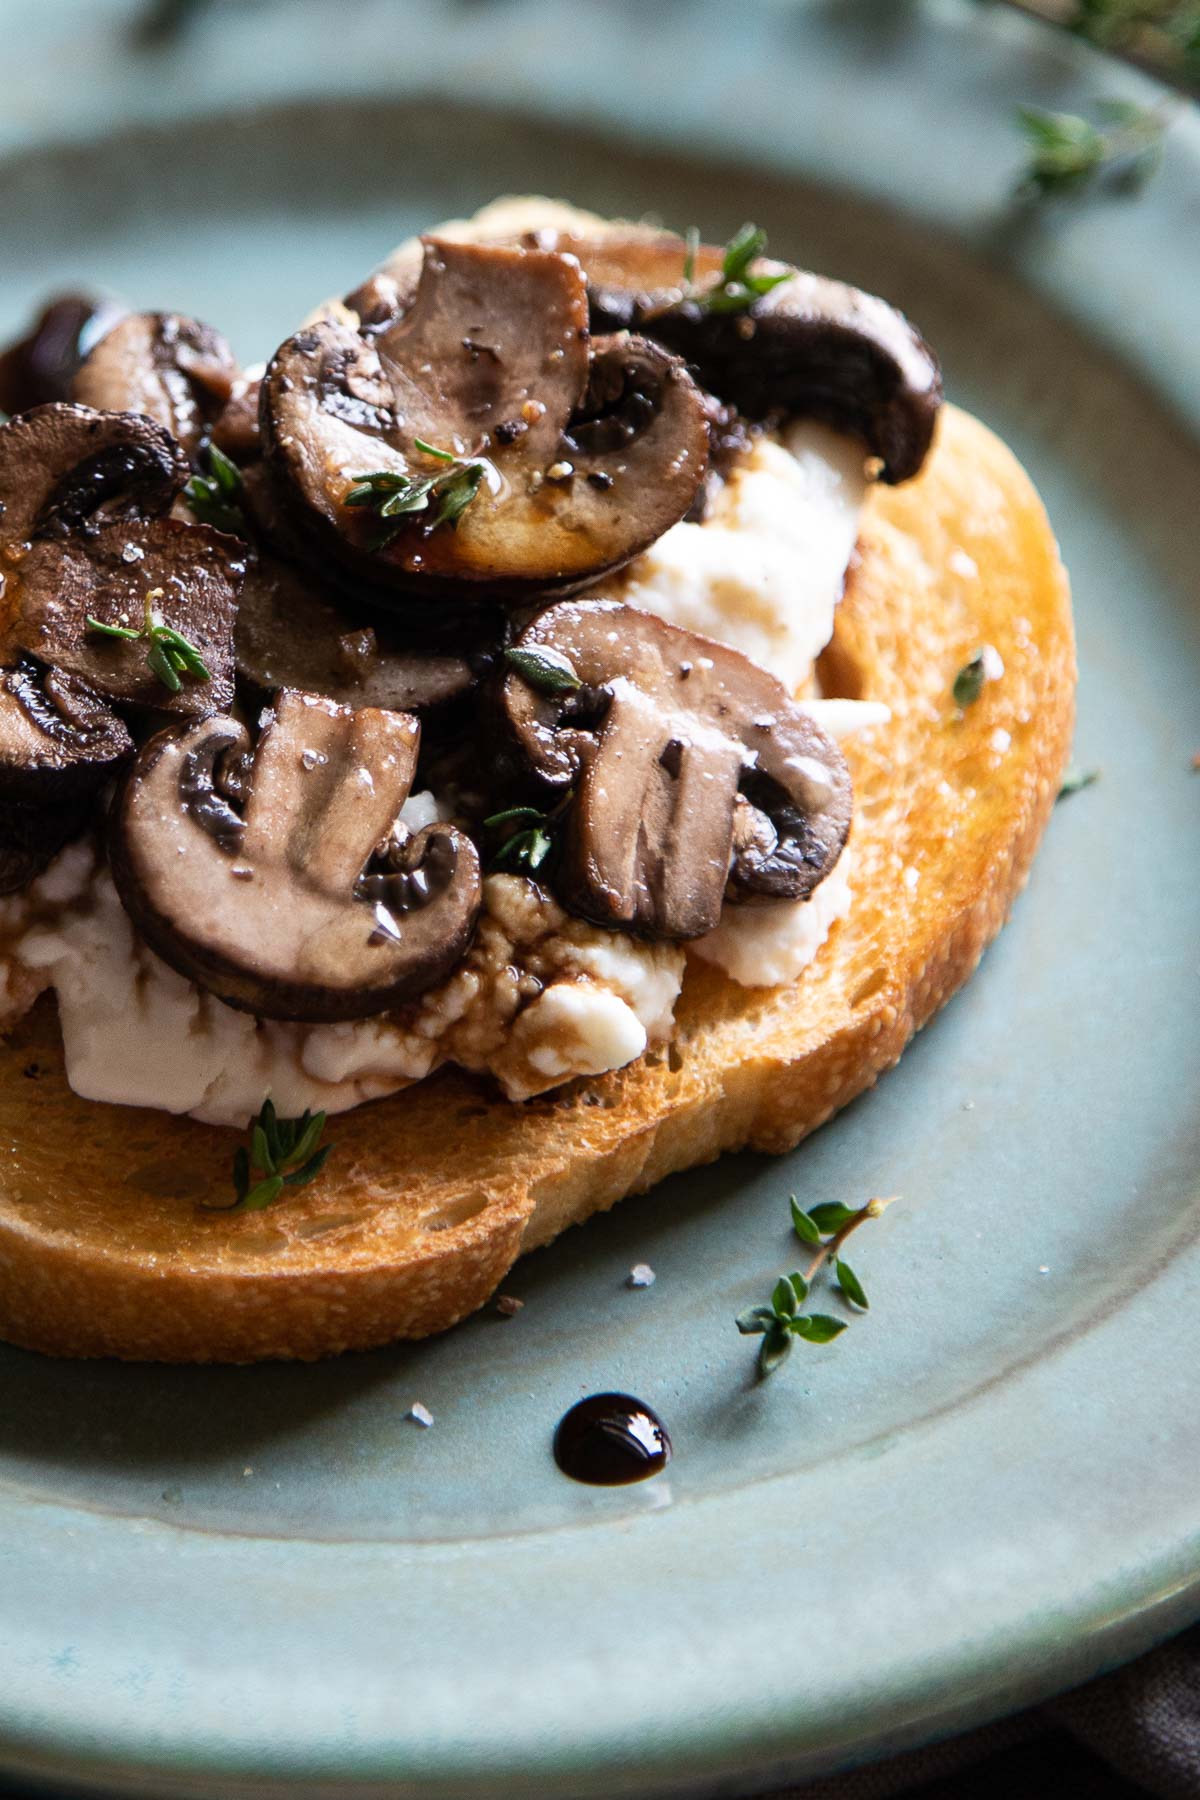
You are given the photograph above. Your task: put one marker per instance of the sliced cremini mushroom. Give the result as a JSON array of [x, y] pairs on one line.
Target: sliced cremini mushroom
[[41, 366], [64, 467], [172, 369], [568, 456], [696, 776], [290, 635], [279, 877], [58, 743], [84, 542], [58, 740], [809, 347]]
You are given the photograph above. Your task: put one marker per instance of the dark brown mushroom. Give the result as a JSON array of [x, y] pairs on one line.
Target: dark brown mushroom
[[172, 369], [288, 635], [811, 347], [583, 453], [697, 777], [64, 467], [58, 740], [284, 884], [235, 428], [83, 536], [41, 366], [58, 743]]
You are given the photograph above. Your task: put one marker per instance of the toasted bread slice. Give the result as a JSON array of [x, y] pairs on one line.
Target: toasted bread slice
[[430, 1196]]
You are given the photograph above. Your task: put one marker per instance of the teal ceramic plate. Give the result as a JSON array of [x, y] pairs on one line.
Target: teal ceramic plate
[[250, 1583]]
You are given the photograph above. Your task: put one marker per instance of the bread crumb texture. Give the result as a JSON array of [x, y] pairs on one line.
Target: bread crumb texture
[[432, 1194]]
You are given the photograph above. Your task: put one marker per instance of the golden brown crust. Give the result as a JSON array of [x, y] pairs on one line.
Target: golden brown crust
[[433, 1194]]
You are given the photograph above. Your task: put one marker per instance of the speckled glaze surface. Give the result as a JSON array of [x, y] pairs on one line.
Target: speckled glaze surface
[[250, 1583]]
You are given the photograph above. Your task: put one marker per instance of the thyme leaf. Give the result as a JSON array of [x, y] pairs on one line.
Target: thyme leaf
[[1068, 154], [737, 287], [1075, 779], [282, 1153], [549, 673], [398, 496], [781, 1320], [215, 497], [170, 656]]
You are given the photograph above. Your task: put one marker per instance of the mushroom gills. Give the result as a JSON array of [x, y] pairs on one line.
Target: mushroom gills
[[276, 875], [699, 780]]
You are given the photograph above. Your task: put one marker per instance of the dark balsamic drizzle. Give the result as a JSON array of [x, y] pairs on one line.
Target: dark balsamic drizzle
[[610, 1440]]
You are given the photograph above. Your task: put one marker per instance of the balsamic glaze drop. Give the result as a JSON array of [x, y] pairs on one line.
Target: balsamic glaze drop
[[611, 1439]]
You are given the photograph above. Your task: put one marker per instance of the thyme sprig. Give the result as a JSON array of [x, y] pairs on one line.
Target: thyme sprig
[[169, 655], [282, 1153], [215, 498], [546, 670], [398, 497], [736, 288], [1068, 154], [527, 835], [782, 1319]]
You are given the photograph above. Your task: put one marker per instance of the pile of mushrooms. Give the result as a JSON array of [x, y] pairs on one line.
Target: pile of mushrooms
[[377, 590]]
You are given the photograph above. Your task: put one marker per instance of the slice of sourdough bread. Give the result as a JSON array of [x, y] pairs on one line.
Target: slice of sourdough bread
[[430, 1196]]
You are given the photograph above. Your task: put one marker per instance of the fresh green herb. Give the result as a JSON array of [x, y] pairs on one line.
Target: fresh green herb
[[526, 836], [984, 666], [781, 1321], [1074, 779], [215, 498], [169, 655], [398, 497], [283, 1153], [1162, 33], [1069, 154], [549, 674], [736, 288], [850, 1285]]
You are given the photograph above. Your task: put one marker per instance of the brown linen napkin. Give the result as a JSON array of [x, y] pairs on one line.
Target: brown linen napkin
[[1131, 1735]]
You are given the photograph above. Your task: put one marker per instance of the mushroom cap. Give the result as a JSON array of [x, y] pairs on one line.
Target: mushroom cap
[[82, 502], [196, 572], [810, 346], [60, 465], [697, 777], [491, 362], [58, 740], [288, 635], [42, 365], [174, 370], [277, 907]]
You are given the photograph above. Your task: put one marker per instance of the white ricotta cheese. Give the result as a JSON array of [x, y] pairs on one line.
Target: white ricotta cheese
[[540, 998], [768, 945], [764, 570]]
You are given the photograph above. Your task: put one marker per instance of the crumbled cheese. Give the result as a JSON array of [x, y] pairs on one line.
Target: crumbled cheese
[[420, 1415], [764, 569], [771, 944], [641, 1276], [539, 998]]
